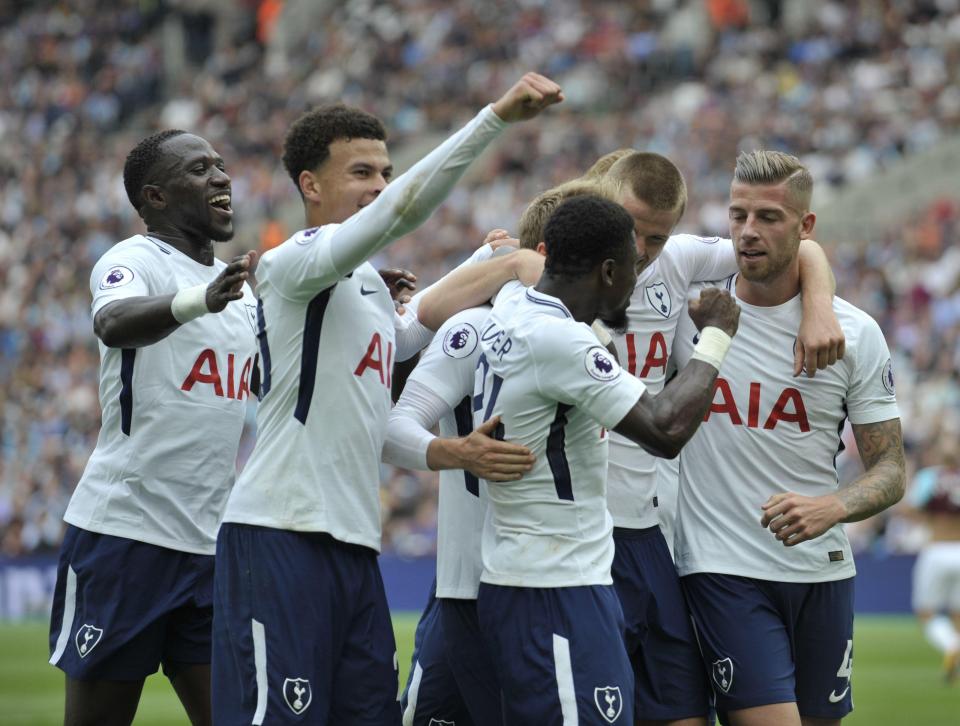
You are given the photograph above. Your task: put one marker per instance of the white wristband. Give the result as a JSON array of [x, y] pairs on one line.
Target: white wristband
[[189, 303], [712, 347], [603, 335]]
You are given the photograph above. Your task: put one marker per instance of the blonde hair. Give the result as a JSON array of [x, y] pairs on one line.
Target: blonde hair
[[652, 178], [602, 165], [762, 167], [534, 218]]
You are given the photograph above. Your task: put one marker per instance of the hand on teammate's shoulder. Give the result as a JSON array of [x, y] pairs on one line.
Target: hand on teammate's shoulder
[[527, 98]]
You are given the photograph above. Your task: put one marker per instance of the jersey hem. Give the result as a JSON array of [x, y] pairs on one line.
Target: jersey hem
[[781, 576], [528, 582], [291, 527], [139, 536]]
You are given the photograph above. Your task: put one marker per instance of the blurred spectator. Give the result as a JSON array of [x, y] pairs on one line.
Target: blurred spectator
[[850, 87]]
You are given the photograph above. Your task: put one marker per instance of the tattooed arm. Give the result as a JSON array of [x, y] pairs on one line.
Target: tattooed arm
[[884, 481], [794, 518]]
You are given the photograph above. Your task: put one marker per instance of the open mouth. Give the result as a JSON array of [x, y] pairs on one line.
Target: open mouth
[[221, 203], [752, 254]]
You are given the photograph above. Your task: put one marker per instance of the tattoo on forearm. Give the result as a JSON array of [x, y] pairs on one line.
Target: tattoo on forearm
[[883, 481]]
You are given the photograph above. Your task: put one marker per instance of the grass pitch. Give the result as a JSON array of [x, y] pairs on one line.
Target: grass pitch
[[896, 678]]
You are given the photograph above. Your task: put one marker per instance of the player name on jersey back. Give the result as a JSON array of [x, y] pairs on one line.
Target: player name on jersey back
[[768, 432], [173, 411]]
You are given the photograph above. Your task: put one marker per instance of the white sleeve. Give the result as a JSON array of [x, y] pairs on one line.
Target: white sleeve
[[314, 260], [119, 275], [408, 436], [702, 258], [412, 335], [572, 367], [871, 397]]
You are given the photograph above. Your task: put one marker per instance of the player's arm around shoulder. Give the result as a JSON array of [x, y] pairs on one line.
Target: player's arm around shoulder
[[820, 340], [473, 285], [125, 319], [663, 423]]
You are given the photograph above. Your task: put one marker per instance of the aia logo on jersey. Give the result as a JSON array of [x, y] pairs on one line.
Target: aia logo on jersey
[[298, 694], [461, 341], [886, 377], [659, 298], [788, 408], [608, 701], [656, 356], [206, 369], [87, 639], [378, 358], [116, 277], [722, 672], [600, 365]]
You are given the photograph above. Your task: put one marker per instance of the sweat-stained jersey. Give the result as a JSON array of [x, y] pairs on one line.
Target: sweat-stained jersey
[[447, 368], [556, 389], [173, 411], [658, 302], [767, 432], [328, 341]]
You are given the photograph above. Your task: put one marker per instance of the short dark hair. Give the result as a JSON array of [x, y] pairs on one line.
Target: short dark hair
[[139, 162], [584, 231], [307, 144]]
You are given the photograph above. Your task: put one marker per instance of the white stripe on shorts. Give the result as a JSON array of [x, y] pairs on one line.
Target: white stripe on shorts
[[260, 665], [412, 693], [69, 609], [565, 689]]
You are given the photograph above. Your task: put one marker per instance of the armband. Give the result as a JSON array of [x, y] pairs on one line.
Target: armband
[[189, 303], [712, 347]]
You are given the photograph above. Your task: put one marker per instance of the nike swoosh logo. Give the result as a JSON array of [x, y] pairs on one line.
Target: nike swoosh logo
[[364, 291], [834, 698]]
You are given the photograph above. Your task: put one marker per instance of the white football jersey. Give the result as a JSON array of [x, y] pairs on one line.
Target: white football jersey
[[172, 411], [556, 389], [768, 432], [327, 332], [447, 368], [655, 308]]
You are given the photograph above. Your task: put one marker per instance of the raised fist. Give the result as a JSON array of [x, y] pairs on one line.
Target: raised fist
[[528, 97]]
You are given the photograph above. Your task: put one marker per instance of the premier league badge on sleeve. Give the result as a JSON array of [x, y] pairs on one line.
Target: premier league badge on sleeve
[[659, 298], [297, 693], [116, 277], [461, 341], [887, 377], [609, 702], [600, 364]]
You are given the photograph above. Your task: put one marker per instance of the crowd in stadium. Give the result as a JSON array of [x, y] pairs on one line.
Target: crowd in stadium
[[84, 80]]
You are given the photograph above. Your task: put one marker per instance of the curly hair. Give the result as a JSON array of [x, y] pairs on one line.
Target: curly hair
[[139, 161], [584, 231], [307, 144]]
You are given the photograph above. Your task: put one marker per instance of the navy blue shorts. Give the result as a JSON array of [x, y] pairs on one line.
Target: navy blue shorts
[[558, 654], [431, 694], [121, 608], [769, 642], [671, 682], [301, 631], [470, 661]]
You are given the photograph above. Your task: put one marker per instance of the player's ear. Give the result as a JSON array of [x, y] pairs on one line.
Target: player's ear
[[608, 269], [309, 186], [153, 196], [542, 248], [807, 223]]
